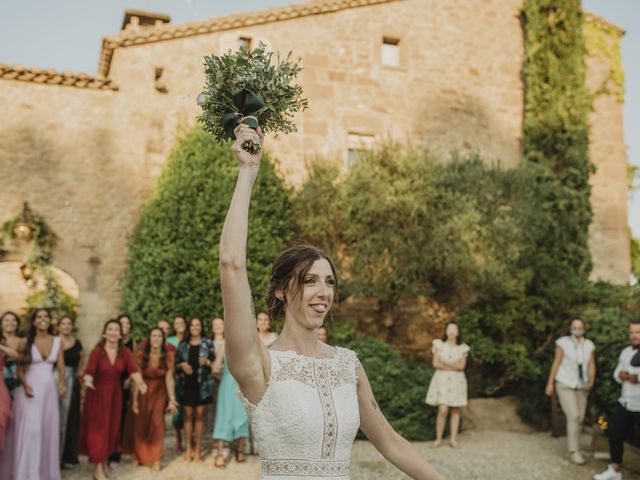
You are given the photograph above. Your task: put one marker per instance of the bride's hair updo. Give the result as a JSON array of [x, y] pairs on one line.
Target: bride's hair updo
[[289, 271]]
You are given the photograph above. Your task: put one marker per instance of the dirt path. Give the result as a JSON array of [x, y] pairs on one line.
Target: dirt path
[[483, 455]]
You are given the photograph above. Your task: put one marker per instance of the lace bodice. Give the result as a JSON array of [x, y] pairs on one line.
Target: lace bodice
[[307, 420]]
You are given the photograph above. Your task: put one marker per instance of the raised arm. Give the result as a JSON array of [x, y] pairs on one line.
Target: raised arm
[[386, 440], [9, 352], [246, 357]]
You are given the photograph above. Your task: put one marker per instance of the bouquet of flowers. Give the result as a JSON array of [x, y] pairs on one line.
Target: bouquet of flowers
[[246, 87]]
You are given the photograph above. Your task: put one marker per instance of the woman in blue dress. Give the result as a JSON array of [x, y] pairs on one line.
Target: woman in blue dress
[[232, 423]]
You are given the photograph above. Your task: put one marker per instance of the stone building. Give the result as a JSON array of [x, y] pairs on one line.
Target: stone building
[[84, 151]]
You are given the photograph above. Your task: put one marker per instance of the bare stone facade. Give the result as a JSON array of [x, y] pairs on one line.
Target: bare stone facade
[[85, 151]]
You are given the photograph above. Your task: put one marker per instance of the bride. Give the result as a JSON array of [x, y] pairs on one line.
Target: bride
[[305, 399]]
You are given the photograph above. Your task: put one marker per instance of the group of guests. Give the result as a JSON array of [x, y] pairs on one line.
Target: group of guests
[[571, 379], [129, 388], [125, 391], [39, 397]]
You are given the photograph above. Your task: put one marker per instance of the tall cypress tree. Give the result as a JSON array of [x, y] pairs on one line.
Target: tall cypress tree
[[173, 258]]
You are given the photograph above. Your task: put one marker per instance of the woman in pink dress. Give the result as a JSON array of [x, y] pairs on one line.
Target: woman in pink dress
[[5, 397], [32, 451], [5, 407]]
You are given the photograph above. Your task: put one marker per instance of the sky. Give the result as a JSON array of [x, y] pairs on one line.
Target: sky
[[66, 35]]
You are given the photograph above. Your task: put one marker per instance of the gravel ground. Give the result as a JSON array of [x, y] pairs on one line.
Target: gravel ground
[[483, 455]]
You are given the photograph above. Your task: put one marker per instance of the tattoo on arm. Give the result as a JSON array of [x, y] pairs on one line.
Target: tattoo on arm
[[380, 417]]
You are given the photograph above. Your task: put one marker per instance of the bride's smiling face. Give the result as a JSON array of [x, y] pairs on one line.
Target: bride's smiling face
[[310, 302]]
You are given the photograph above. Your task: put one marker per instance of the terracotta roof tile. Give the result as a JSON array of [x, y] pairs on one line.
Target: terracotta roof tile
[[53, 77], [314, 7], [159, 33]]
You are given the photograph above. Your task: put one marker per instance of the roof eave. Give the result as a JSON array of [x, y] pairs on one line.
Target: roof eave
[[216, 24]]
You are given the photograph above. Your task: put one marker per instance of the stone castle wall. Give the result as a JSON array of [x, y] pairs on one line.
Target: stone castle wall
[[87, 159], [60, 150], [609, 234]]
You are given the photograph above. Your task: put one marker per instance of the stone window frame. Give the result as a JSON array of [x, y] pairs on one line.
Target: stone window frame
[[244, 41], [392, 39], [160, 81], [358, 142]]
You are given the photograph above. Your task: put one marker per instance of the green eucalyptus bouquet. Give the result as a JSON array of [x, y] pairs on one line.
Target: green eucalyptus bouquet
[[246, 87]]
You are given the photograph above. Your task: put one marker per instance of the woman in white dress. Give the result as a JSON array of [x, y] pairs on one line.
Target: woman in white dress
[[305, 399], [448, 387]]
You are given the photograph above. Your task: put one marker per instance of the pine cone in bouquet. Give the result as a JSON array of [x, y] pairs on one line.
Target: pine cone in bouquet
[[246, 87]]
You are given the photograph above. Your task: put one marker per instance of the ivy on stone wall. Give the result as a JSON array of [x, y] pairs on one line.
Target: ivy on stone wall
[[556, 141], [556, 133], [603, 40], [635, 258]]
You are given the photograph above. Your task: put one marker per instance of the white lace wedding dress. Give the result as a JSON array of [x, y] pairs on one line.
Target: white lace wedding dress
[[306, 422]]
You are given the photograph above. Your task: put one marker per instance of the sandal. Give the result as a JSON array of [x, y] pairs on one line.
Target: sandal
[[186, 456], [240, 456], [218, 461]]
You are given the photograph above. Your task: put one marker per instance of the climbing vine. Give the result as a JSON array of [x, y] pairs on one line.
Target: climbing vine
[[603, 40], [556, 133], [37, 265]]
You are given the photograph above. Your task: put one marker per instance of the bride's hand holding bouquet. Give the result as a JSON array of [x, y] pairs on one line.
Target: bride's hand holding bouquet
[[246, 88], [245, 135]]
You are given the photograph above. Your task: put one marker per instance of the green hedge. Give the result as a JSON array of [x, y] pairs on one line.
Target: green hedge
[[398, 383], [608, 313], [173, 258], [635, 258], [476, 237], [403, 223]]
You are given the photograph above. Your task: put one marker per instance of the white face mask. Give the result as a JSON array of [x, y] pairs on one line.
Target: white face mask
[[577, 332]]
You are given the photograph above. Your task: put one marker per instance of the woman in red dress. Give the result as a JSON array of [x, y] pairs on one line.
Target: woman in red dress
[[100, 423], [155, 362]]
